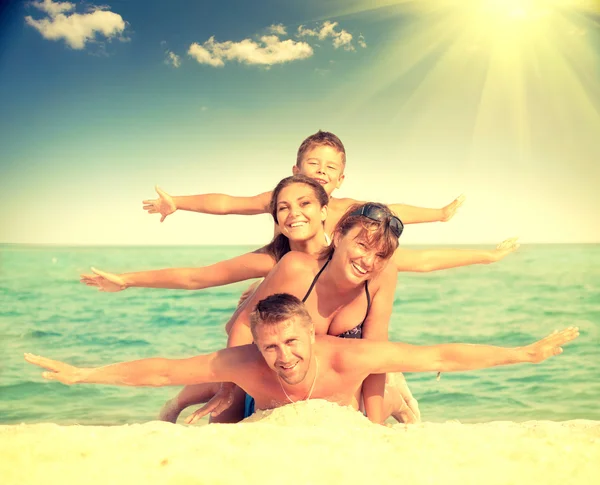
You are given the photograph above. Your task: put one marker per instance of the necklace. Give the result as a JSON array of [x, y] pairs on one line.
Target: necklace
[[311, 387]]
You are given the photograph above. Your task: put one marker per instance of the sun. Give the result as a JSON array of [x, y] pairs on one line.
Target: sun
[[520, 71]]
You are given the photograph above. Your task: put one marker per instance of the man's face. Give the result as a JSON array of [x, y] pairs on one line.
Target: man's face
[[323, 164], [286, 348]]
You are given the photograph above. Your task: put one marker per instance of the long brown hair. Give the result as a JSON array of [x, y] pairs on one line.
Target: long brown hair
[[280, 245], [378, 234]]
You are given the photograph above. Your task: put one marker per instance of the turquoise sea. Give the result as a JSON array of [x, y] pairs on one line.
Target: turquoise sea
[[45, 310]]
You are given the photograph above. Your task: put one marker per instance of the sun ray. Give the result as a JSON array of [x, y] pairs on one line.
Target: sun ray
[[488, 72]]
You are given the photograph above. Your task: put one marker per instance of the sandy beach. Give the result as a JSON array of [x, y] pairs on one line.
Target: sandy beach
[[307, 443]]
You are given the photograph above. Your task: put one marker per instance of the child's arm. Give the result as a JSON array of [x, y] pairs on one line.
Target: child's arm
[[219, 204], [409, 214], [423, 261], [241, 268]]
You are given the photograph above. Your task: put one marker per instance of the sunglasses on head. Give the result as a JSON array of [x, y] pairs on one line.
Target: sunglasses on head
[[377, 214]]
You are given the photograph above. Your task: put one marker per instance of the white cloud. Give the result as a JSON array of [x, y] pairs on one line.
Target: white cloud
[[361, 41], [343, 39], [327, 30], [54, 8], [268, 51], [173, 59], [278, 29], [203, 55], [304, 32], [76, 29]]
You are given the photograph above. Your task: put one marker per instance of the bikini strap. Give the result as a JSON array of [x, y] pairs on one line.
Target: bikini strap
[[314, 281], [368, 301]]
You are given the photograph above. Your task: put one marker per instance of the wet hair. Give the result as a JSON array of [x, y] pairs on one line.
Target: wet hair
[[378, 234], [278, 308], [320, 138], [280, 245]]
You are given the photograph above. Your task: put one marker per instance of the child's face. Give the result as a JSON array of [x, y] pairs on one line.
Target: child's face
[[323, 164]]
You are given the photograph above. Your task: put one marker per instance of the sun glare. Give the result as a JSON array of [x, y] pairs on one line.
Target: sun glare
[[521, 71]]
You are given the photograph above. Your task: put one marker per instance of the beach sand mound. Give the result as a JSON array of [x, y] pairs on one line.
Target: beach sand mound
[[313, 442]]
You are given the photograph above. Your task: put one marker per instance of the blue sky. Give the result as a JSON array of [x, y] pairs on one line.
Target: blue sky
[[499, 100]]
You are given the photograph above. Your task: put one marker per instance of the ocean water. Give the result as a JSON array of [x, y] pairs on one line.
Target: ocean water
[[45, 310]]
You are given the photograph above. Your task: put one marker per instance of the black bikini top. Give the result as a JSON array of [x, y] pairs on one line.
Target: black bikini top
[[355, 332]]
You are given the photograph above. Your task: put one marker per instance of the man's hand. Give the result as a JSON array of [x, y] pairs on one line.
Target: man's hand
[[551, 345], [449, 211], [504, 249], [164, 205], [221, 401], [108, 282], [59, 371]]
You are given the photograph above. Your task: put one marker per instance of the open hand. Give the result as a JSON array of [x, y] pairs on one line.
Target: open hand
[[164, 205], [108, 282], [551, 345], [505, 248], [218, 403], [449, 210], [58, 371]]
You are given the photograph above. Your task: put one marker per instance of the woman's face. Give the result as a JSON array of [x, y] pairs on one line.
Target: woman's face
[[357, 259], [299, 213]]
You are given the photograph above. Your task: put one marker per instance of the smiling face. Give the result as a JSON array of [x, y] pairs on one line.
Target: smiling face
[[357, 257], [286, 347], [299, 212], [322, 163]]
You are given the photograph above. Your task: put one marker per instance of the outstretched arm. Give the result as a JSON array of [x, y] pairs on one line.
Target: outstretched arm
[[436, 259], [219, 204], [377, 357], [409, 214], [240, 268], [155, 372]]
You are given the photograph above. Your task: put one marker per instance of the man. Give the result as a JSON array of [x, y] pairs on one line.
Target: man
[[287, 363]]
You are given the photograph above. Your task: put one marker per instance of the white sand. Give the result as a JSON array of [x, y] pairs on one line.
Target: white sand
[[307, 443]]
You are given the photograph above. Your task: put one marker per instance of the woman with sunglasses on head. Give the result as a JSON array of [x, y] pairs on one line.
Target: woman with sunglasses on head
[[349, 293]]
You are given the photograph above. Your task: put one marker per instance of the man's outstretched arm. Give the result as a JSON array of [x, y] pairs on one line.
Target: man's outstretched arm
[[219, 204], [380, 357], [154, 372]]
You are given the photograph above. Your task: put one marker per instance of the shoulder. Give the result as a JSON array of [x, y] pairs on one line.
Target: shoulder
[[262, 254], [341, 205], [239, 359], [339, 353], [385, 280], [298, 261]]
